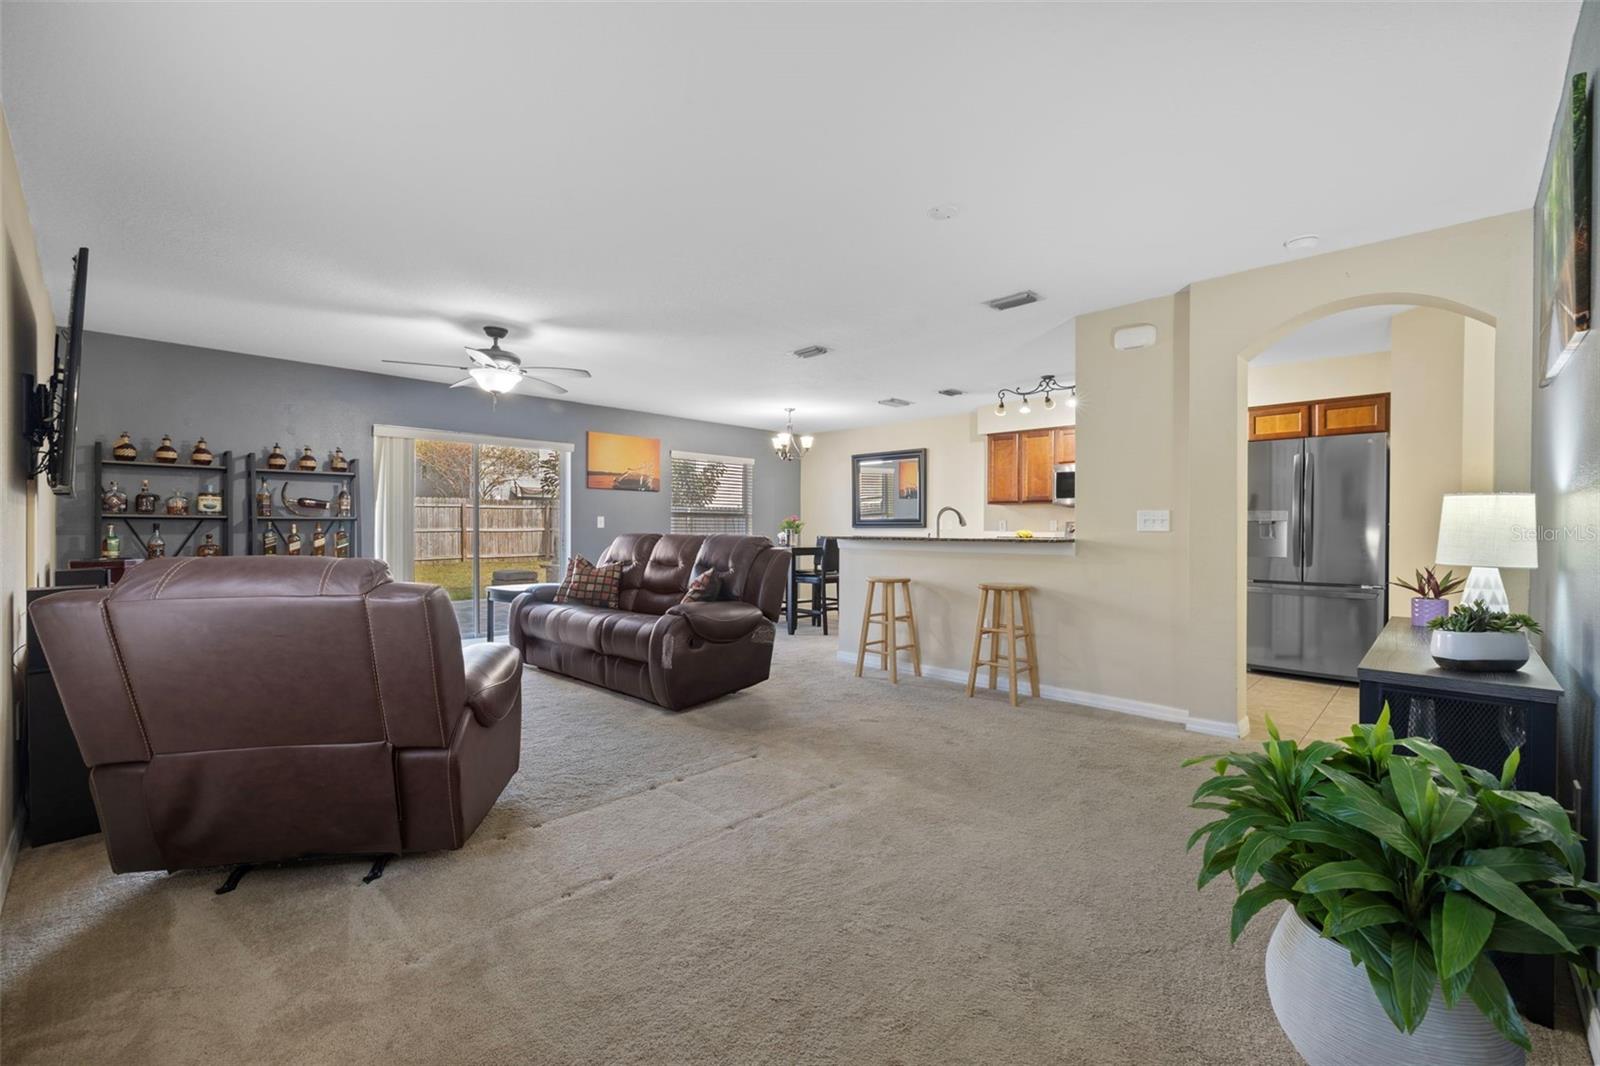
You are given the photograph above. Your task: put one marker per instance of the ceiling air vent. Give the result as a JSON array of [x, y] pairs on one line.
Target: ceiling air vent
[[895, 401], [810, 351], [1016, 299], [952, 392]]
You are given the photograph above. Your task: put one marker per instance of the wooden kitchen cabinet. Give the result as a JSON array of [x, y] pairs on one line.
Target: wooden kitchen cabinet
[[1350, 414], [1067, 444], [1038, 465], [1280, 421], [1005, 467]]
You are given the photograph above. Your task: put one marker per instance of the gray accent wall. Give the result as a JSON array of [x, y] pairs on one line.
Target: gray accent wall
[[248, 402], [1565, 589]]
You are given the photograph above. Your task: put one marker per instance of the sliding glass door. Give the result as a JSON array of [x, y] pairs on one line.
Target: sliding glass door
[[486, 514]]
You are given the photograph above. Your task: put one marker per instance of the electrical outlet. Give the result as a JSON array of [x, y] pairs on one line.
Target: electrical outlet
[[599, 521], [1153, 522], [1055, 526]]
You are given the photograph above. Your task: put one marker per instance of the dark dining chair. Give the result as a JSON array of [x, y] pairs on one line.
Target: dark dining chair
[[824, 571]]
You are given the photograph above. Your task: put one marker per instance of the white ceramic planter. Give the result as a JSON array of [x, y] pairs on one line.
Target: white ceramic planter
[[1330, 1014], [1480, 652]]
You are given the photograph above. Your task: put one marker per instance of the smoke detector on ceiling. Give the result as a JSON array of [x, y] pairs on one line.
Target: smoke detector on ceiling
[[895, 401], [1306, 242], [810, 351], [1016, 299]]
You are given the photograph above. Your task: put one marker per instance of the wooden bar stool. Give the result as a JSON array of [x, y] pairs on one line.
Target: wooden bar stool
[[888, 646], [1011, 616]]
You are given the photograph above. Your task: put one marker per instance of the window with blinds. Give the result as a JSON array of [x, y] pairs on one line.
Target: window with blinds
[[710, 493]]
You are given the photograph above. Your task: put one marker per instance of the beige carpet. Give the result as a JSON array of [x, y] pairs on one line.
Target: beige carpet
[[818, 870]]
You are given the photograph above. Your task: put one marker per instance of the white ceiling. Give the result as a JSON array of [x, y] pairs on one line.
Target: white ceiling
[[675, 196], [1359, 331]]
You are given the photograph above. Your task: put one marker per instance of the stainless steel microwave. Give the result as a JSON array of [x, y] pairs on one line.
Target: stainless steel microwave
[[1066, 484]]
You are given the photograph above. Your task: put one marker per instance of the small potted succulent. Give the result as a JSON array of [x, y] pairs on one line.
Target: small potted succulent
[[789, 530], [1473, 637], [1429, 602], [1403, 870]]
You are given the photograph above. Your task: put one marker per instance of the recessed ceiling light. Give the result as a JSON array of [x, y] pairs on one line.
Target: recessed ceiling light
[[810, 351], [1306, 242], [1016, 299], [944, 211], [895, 401]]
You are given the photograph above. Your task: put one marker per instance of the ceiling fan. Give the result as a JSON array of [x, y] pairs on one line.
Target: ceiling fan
[[496, 371]]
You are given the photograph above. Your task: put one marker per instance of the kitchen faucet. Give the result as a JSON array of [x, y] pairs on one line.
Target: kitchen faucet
[[940, 518]]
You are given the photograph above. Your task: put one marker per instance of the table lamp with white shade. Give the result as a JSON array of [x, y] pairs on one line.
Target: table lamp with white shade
[[1487, 530]]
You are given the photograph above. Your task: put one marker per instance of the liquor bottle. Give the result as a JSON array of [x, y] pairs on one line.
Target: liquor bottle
[[338, 464], [307, 461], [293, 541], [156, 546], [114, 500], [209, 546], [178, 502], [208, 500], [269, 542], [319, 540], [341, 502], [166, 453], [276, 460], [341, 544], [201, 456], [123, 451], [146, 502], [111, 544], [263, 499]]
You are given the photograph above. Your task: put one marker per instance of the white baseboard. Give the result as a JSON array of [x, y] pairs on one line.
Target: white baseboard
[[8, 859], [1588, 1014], [1157, 711]]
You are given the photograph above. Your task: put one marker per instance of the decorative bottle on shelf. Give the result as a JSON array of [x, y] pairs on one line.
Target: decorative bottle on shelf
[[307, 461], [156, 546], [178, 503], [111, 544], [276, 460], [319, 540], [293, 541], [341, 544], [146, 502], [269, 542], [123, 451], [263, 499], [166, 453], [209, 546], [341, 502], [201, 456], [208, 500], [339, 464], [114, 500]]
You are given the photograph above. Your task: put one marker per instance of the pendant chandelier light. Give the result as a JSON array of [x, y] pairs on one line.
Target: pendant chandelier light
[[786, 445], [1047, 385]]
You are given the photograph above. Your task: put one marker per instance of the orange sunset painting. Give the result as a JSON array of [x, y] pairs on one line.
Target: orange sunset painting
[[618, 461]]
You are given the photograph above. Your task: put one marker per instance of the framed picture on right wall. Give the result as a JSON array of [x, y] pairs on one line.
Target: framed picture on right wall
[[1561, 238]]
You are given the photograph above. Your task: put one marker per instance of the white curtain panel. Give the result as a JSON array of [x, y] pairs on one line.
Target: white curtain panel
[[396, 468]]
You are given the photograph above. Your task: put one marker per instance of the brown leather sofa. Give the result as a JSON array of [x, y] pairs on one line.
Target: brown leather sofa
[[652, 645], [253, 709]]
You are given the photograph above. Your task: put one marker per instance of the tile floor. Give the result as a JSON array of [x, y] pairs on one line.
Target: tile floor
[[1302, 709]]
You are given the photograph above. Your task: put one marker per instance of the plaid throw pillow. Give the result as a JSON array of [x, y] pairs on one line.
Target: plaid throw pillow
[[704, 588], [587, 583]]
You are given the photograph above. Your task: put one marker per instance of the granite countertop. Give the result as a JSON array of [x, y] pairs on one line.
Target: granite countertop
[[1006, 539]]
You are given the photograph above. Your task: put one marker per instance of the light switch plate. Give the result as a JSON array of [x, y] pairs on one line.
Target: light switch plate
[[599, 521], [1153, 522]]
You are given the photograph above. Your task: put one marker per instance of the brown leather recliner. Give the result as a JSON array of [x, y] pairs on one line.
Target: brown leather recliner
[[652, 645], [257, 709]]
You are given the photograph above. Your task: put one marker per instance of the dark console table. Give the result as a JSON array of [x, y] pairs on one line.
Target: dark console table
[[55, 782], [1478, 719]]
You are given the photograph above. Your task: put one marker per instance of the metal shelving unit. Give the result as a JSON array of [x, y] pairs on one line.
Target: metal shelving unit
[[221, 472], [256, 525]]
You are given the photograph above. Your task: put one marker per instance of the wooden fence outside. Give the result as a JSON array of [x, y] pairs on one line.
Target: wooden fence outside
[[443, 529]]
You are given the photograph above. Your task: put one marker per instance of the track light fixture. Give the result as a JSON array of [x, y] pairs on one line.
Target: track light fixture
[[1048, 385]]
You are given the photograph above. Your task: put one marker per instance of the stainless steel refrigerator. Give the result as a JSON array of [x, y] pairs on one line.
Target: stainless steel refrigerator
[[1317, 531]]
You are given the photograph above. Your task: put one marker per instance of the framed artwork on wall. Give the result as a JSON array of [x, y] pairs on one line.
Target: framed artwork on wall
[[628, 464], [1561, 238]]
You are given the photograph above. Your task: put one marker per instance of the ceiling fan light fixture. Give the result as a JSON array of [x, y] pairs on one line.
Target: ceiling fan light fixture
[[495, 379]]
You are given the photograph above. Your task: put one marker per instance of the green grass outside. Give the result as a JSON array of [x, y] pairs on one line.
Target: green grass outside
[[456, 574]]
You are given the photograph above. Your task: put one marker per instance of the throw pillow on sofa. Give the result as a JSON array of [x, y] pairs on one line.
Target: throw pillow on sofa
[[597, 586], [705, 588]]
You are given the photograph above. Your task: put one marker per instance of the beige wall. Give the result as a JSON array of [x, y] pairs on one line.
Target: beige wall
[[27, 515], [1316, 379]]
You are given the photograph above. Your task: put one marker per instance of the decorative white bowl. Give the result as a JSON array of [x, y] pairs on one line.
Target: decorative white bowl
[[1479, 652]]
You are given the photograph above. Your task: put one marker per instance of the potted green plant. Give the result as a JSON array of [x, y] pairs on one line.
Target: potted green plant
[[1473, 637], [1429, 602], [1401, 872]]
